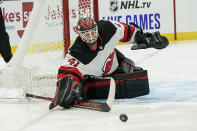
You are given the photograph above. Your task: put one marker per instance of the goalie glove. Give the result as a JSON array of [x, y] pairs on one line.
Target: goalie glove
[[67, 90], [150, 40]]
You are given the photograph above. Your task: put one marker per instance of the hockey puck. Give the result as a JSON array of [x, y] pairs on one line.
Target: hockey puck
[[123, 117]]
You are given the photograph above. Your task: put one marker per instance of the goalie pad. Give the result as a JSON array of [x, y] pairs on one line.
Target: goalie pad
[[128, 85]]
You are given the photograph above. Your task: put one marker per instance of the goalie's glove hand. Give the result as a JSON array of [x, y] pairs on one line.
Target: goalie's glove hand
[[67, 90], [150, 40]]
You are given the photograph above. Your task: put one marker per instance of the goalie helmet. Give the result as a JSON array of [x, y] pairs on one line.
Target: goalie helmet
[[88, 31]]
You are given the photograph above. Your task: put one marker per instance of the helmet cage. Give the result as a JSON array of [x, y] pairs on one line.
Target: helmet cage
[[89, 36]]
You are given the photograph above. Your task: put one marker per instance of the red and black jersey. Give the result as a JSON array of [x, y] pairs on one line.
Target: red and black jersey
[[82, 61]]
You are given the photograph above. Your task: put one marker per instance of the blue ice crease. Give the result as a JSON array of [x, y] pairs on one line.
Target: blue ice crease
[[168, 91]]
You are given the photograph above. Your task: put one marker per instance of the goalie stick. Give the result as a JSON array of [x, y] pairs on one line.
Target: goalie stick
[[88, 104]]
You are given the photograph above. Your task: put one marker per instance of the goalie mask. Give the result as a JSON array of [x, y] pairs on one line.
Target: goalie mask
[[88, 31]]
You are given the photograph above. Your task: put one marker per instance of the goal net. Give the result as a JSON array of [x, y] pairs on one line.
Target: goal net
[[49, 32]]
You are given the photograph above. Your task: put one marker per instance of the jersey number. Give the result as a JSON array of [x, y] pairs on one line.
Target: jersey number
[[73, 62]]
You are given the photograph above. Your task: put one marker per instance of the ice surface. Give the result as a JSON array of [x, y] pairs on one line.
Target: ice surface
[[170, 106]]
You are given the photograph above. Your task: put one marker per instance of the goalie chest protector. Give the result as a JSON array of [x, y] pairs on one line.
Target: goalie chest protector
[[128, 85]]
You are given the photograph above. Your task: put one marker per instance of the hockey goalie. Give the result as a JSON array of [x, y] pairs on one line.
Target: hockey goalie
[[93, 58]]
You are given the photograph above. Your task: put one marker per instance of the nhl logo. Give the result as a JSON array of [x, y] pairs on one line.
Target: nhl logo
[[113, 5]]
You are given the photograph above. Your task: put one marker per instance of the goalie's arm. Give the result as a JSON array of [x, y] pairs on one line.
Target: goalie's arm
[[126, 33], [134, 34], [68, 87], [68, 84]]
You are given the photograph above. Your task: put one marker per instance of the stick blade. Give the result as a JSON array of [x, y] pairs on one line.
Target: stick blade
[[91, 105], [98, 106]]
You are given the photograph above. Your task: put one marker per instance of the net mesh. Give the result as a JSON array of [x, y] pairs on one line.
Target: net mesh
[[34, 66], [84, 7]]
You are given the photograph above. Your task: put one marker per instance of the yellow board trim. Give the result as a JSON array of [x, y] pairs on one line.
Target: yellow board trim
[[42, 47], [187, 36], [181, 36], [59, 45]]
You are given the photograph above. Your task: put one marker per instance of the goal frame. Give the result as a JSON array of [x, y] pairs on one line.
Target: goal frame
[[35, 64], [66, 19]]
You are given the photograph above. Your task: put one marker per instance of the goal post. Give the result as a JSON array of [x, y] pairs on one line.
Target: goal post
[[66, 26], [46, 39], [84, 8]]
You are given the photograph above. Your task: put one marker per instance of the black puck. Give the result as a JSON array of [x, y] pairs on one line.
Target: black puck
[[123, 117]]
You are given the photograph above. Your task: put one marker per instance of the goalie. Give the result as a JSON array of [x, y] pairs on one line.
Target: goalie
[[93, 58]]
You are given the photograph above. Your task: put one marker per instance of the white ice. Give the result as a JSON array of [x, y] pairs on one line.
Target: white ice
[[170, 106]]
